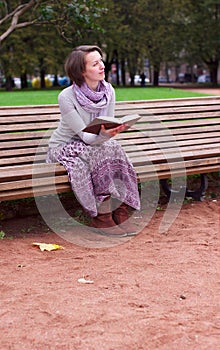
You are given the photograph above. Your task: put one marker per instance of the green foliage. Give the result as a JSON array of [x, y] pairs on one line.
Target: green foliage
[[2, 234], [203, 34], [46, 13], [78, 19]]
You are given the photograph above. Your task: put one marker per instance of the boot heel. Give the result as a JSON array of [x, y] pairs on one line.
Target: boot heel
[[121, 218], [106, 225]]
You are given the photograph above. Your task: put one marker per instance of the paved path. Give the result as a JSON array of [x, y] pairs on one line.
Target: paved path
[[201, 89], [206, 91]]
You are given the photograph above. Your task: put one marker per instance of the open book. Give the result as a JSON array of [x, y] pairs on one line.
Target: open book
[[110, 123]]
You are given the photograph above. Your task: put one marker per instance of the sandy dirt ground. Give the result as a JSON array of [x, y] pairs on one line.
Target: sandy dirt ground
[[153, 291]]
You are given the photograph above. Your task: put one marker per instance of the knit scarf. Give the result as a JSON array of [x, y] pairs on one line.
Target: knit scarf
[[93, 101]]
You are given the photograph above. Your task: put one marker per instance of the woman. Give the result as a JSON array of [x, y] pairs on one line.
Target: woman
[[97, 167]]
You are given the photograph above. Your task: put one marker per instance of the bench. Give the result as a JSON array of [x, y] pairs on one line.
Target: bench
[[174, 138]]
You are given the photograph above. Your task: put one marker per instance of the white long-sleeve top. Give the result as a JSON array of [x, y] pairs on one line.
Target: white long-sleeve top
[[74, 119]]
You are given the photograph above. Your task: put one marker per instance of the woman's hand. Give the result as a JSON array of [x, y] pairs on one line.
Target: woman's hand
[[114, 131]]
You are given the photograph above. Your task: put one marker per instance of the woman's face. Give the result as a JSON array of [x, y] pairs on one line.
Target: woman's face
[[95, 69]]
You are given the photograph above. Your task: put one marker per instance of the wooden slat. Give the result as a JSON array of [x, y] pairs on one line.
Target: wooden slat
[[157, 133], [22, 160], [156, 149], [174, 156], [7, 145], [181, 165], [28, 193], [12, 173], [23, 152], [206, 100], [175, 124], [165, 113], [207, 136], [177, 173], [26, 118], [32, 183], [25, 135], [175, 116], [28, 126], [28, 110]]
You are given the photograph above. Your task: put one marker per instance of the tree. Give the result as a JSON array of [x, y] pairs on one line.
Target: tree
[[12, 16], [157, 24], [70, 19], [203, 34], [118, 39], [16, 15]]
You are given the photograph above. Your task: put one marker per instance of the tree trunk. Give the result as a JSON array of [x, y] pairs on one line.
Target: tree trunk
[[213, 69], [24, 82], [9, 83], [123, 79], [117, 73], [115, 59], [156, 76], [108, 64], [42, 79], [55, 82]]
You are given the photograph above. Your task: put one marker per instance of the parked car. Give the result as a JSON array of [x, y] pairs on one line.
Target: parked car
[[186, 78], [17, 83], [63, 81], [162, 79], [204, 78], [137, 80]]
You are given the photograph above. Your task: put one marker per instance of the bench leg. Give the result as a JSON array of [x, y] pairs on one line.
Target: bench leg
[[197, 194]]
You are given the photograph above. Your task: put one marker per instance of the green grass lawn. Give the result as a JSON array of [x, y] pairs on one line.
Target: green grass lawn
[[37, 97], [152, 93]]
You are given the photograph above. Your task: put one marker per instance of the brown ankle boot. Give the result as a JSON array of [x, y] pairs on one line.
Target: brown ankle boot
[[121, 218], [105, 223], [120, 214]]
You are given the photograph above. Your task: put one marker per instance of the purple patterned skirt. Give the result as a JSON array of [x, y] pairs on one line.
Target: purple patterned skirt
[[96, 172]]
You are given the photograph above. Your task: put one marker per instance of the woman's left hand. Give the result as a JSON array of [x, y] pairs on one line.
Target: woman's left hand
[[114, 131]]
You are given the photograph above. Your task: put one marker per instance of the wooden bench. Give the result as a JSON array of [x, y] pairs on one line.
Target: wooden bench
[[175, 137]]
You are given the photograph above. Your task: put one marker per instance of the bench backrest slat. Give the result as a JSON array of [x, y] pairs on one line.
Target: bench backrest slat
[[191, 124]]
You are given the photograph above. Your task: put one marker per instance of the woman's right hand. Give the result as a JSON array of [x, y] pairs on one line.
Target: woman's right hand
[[114, 131]]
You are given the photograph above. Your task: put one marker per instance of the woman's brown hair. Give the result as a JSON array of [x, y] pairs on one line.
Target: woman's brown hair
[[75, 63]]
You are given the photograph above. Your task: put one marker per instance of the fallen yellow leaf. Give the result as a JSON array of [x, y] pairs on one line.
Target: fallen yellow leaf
[[47, 246]]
